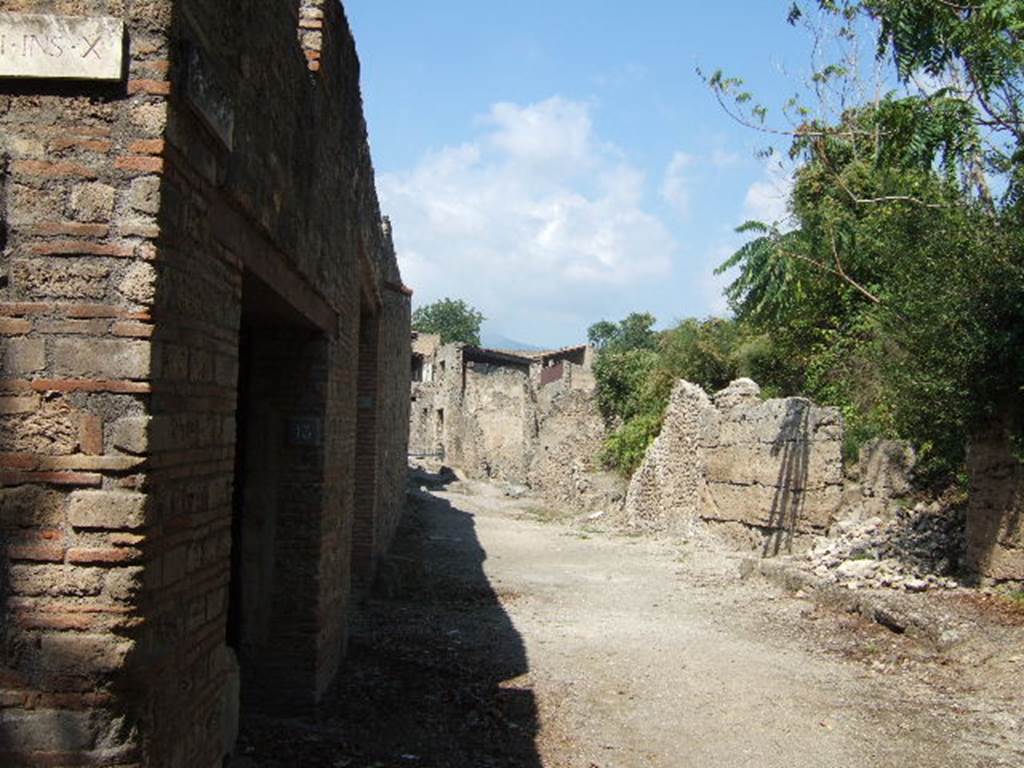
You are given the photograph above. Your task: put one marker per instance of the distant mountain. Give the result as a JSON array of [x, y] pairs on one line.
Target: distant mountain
[[495, 340]]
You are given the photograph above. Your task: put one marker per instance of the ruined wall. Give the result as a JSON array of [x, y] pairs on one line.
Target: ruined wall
[[995, 512], [564, 465], [669, 489], [508, 422], [424, 436], [499, 422], [149, 228], [772, 465]]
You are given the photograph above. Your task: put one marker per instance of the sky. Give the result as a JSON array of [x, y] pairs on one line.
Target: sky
[[554, 163]]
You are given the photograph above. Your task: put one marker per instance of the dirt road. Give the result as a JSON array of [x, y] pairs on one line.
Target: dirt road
[[514, 641]]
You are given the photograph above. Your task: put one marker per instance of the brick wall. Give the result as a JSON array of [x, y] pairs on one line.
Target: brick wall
[[144, 226]]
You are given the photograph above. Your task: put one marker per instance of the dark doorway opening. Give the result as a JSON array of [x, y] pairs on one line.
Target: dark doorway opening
[[276, 538]]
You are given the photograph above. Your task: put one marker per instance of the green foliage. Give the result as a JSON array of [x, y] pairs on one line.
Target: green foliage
[[627, 445], [634, 384], [898, 292], [452, 319], [634, 332], [621, 382]]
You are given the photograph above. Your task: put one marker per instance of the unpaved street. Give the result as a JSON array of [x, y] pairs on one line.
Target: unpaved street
[[510, 640]]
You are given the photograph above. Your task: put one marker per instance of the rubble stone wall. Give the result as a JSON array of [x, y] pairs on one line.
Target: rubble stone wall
[[995, 512], [771, 465], [570, 435], [669, 489], [152, 231]]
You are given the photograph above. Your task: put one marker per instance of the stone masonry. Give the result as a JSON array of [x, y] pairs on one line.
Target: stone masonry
[[205, 378], [772, 466], [527, 419], [995, 514]]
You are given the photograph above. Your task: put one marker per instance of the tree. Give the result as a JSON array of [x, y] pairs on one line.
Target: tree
[[451, 319], [636, 331], [898, 292]]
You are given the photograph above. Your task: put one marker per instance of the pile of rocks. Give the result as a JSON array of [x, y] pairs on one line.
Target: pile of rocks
[[918, 550]]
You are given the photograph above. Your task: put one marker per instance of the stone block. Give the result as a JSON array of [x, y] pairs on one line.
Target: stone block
[[794, 464], [46, 731], [884, 468], [50, 430], [56, 581], [124, 584], [93, 201], [69, 278], [21, 356], [144, 194], [999, 563], [150, 118], [131, 434], [770, 507], [30, 506], [102, 358], [82, 655], [138, 283], [18, 404], [107, 509]]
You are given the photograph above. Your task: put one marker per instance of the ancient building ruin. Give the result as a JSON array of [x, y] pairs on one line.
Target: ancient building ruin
[[527, 418], [770, 466], [204, 396], [995, 515]]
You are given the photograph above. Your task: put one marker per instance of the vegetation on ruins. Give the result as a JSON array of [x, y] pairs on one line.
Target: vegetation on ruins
[[895, 289], [637, 366], [451, 319]]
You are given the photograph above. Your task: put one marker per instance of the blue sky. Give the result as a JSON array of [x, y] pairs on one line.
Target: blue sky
[[557, 163]]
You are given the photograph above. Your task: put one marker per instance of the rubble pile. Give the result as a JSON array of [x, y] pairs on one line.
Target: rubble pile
[[919, 549]]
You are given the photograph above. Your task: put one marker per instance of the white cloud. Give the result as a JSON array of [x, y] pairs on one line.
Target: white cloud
[[766, 199], [722, 158], [553, 131], [535, 221], [675, 187]]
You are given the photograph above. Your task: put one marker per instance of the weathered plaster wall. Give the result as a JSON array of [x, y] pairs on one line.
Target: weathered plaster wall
[[499, 420], [141, 243], [772, 465]]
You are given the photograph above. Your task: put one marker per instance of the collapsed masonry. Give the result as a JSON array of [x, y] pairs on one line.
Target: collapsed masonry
[[772, 466], [204, 391], [523, 418], [770, 473]]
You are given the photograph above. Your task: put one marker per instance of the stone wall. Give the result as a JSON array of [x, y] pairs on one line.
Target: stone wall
[[995, 513], [499, 422], [188, 258], [498, 417], [669, 489], [774, 466]]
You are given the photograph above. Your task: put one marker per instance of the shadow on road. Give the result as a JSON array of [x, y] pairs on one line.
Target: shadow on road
[[433, 671]]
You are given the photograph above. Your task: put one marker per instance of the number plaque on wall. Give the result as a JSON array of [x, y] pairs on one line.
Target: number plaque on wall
[[61, 47]]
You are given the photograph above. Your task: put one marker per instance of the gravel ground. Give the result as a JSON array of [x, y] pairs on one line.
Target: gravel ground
[[501, 638]]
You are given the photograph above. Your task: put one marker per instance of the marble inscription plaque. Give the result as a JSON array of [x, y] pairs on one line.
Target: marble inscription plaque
[[61, 47]]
